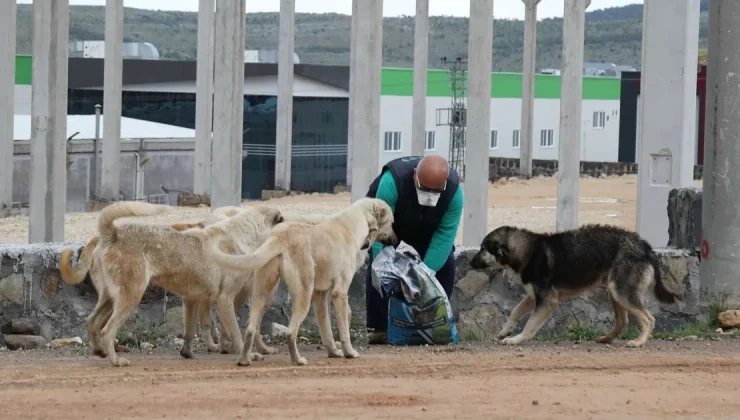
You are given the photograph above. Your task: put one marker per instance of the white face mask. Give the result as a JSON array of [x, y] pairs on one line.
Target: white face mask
[[426, 198]]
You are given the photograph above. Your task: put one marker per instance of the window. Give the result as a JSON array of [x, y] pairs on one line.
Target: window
[[392, 141], [494, 139], [599, 119], [546, 139], [431, 141], [515, 139]]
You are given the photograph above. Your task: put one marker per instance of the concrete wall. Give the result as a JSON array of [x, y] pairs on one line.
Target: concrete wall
[[30, 286], [509, 167], [599, 144], [169, 163]]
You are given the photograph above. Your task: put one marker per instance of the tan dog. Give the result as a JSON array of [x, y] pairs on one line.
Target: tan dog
[[129, 257], [316, 262], [75, 274]]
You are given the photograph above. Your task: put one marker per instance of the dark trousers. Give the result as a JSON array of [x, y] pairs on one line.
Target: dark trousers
[[377, 307]]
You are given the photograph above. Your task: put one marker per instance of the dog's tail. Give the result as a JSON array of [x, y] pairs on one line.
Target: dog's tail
[[107, 230], [244, 262], [661, 292], [76, 273]]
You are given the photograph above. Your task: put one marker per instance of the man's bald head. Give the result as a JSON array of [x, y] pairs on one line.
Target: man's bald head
[[432, 172]]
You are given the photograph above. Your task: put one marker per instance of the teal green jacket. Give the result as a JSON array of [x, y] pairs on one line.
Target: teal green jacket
[[443, 239]]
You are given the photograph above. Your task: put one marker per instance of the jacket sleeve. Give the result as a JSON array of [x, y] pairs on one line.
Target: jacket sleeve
[[444, 238], [388, 192]]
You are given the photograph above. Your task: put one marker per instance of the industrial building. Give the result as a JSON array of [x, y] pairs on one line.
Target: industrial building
[[163, 91]]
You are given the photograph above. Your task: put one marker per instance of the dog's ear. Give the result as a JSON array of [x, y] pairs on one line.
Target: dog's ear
[[278, 218], [381, 211]]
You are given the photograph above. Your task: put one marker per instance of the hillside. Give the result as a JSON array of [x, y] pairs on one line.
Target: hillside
[[612, 35]]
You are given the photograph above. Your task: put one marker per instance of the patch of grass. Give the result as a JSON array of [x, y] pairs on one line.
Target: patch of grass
[[139, 331], [585, 332], [470, 336], [716, 303]]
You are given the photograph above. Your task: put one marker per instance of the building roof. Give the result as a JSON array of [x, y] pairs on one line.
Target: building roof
[[88, 73], [85, 124]]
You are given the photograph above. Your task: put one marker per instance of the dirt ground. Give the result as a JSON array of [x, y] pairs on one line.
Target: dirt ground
[[665, 380], [517, 202]]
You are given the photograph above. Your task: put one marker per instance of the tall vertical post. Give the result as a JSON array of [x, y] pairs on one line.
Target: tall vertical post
[[366, 109], [478, 131], [284, 129], [527, 122], [720, 262], [667, 110], [421, 61], [7, 102], [571, 97], [352, 82], [228, 107], [112, 98], [204, 99], [94, 178], [49, 121]]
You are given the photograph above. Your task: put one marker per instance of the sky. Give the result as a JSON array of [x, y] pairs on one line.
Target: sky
[[502, 9]]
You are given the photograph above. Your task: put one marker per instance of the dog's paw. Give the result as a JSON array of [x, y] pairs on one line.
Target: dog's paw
[[336, 353], [269, 350], [256, 357], [512, 341], [351, 354], [121, 362], [300, 361], [244, 361], [503, 334], [213, 349], [186, 353], [635, 343], [605, 339], [100, 353]]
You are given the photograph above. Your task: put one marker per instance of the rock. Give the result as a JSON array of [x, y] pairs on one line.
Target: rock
[[21, 326], [684, 218], [278, 330], [11, 290], [729, 319], [67, 342], [146, 346], [24, 342]]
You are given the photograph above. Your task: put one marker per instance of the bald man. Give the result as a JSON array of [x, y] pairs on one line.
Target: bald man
[[427, 203]]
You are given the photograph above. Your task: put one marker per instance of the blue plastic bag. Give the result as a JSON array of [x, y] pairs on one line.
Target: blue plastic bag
[[419, 311]]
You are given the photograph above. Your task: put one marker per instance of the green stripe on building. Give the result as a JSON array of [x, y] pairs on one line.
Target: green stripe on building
[[400, 82], [23, 69]]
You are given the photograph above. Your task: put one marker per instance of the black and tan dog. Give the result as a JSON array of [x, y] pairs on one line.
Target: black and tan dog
[[558, 266]]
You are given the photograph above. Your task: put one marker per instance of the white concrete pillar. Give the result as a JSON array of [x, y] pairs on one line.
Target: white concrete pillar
[[530, 53], [228, 108], [421, 62], [366, 108], [478, 131], [110, 182], [284, 129], [667, 133], [351, 100], [7, 102], [49, 121], [204, 99], [720, 262], [571, 97]]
